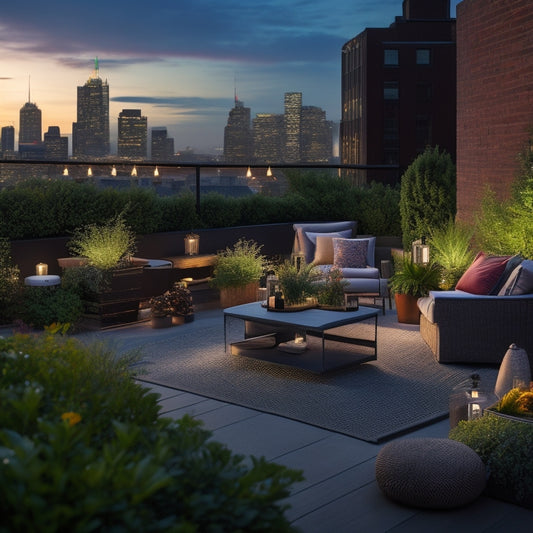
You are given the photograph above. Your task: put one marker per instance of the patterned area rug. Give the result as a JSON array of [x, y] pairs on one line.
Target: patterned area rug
[[403, 389]]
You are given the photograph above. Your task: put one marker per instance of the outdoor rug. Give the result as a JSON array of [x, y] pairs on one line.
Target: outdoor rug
[[403, 389]]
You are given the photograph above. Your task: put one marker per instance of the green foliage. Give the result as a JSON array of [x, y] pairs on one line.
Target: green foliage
[[87, 281], [505, 448], [427, 195], [506, 228], [414, 278], [37, 208], [82, 449], [106, 246], [379, 210], [331, 288], [451, 249], [42, 306], [10, 285], [240, 265], [297, 284]]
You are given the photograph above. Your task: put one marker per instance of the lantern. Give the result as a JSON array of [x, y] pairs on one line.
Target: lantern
[[468, 400], [420, 252], [41, 269], [192, 244]]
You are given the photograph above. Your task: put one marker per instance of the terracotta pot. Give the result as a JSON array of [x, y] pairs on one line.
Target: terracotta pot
[[231, 296], [408, 312], [158, 322], [178, 320]]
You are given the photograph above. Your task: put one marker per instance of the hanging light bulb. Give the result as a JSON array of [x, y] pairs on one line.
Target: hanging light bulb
[[113, 171], [134, 171], [90, 172], [156, 172], [269, 172], [65, 172], [249, 173]]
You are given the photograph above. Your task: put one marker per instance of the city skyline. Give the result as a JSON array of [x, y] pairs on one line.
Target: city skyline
[[179, 62]]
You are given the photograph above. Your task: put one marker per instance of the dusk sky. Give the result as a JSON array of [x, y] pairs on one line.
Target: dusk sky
[[179, 61]]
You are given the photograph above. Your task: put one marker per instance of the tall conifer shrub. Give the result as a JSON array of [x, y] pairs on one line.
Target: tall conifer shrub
[[427, 195]]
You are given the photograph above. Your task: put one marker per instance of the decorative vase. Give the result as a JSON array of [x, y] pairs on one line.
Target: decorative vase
[[514, 371], [407, 309], [158, 322]]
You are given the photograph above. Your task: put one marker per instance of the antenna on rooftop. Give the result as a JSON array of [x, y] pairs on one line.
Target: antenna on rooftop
[[29, 89]]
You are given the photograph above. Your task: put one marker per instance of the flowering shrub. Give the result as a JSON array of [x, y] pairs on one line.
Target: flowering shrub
[[82, 449]]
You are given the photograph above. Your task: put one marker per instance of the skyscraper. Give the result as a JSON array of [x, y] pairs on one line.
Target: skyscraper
[[162, 145], [268, 138], [90, 134], [317, 136], [55, 146], [398, 90], [8, 140], [293, 124], [132, 134], [30, 127], [237, 135]]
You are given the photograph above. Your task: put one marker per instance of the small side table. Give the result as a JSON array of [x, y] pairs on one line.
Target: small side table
[[42, 281]]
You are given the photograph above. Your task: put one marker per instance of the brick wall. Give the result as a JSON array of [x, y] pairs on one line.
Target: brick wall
[[494, 96]]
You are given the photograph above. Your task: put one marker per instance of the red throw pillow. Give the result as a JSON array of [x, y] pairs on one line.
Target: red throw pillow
[[482, 274]]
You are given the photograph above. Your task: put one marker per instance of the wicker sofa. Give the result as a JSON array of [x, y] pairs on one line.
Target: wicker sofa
[[461, 327]]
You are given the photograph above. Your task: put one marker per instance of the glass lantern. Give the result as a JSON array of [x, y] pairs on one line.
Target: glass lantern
[[192, 244], [468, 400]]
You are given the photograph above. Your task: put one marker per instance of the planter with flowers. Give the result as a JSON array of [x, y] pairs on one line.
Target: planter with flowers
[[161, 311], [181, 306]]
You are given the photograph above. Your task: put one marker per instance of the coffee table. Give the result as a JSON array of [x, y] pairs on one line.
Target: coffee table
[[330, 346]]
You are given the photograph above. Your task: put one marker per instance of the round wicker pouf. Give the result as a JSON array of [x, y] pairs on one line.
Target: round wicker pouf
[[430, 473]]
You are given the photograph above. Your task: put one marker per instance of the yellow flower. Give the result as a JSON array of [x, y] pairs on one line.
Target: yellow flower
[[71, 417]]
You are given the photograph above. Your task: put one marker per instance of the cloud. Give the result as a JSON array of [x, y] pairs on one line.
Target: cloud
[[182, 104]]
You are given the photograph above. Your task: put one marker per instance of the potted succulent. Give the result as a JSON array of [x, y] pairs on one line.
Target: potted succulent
[[181, 306], [161, 311], [409, 282], [237, 272], [108, 278]]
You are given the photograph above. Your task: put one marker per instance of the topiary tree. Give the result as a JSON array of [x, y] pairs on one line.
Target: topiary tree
[[427, 195]]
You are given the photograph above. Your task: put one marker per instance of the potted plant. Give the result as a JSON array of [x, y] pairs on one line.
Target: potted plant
[[181, 306], [409, 282], [298, 284], [109, 280], [237, 272], [160, 309], [331, 290]]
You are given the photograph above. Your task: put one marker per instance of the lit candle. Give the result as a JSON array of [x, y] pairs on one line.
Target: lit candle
[[41, 269]]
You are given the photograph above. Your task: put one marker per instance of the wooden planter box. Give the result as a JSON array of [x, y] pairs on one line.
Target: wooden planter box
[[119, 303], [232, 296]]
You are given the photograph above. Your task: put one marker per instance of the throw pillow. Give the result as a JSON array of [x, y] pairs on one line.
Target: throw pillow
[[350, 253], [483, 274], [510, 267], [323, 250], [520, 281], [308, 241]]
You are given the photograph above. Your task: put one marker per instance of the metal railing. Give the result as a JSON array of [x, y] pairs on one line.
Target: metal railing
[[117, 168]]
